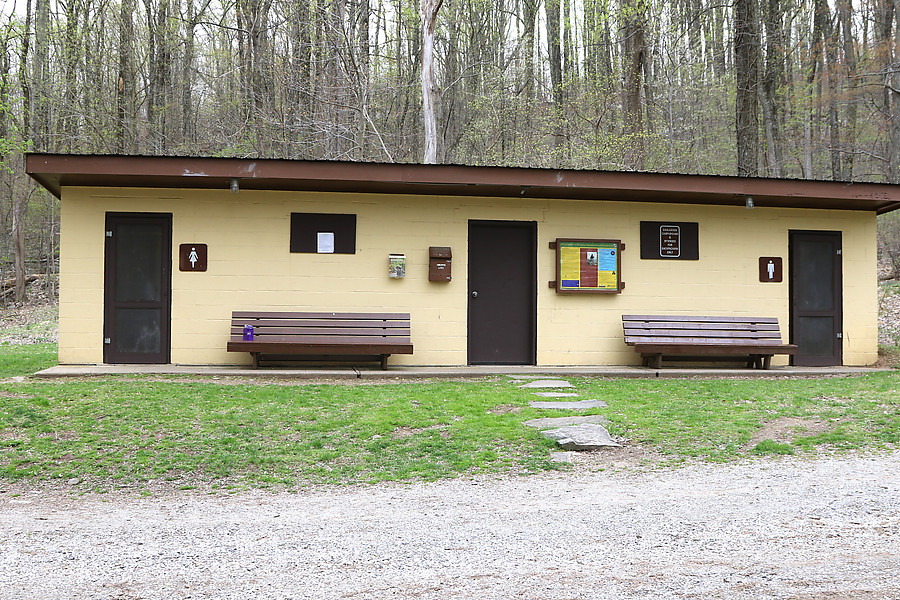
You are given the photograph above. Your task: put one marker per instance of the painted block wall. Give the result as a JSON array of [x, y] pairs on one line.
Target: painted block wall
[[250, 267]]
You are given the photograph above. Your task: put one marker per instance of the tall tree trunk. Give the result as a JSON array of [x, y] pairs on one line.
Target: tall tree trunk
[[298, 92], [746, 66], [71, 55], [895, 97], [41, 76], [429, 10], [159, 79], [554, 54], [845, 15], [452, 104], [126, 81], [633, 17], [590, 39], [529, 16], [717, 37], [772, 84], [827, 38], [568, 42], [188, 131], [884, 22], [20, 201]]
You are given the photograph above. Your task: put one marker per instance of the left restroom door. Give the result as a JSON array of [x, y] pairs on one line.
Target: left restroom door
[[138, 288]]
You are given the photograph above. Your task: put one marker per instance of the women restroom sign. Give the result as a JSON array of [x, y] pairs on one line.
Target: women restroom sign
[[192, 257]]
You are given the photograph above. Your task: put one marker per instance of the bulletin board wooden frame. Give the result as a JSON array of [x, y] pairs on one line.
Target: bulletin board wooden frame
[[583, 266]]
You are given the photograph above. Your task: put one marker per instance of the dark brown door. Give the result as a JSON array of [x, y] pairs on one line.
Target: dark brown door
[[502, 292], [137, 288], [816, 298]]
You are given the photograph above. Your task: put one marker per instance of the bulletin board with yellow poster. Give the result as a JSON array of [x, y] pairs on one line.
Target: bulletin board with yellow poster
[[588, 266]]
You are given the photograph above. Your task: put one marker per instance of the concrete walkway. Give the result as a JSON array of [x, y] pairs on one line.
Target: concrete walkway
[[401, 372]]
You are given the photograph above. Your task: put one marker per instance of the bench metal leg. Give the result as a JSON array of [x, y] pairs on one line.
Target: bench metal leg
[[255, 356], [767, 361], [384, 358], [654, 361]]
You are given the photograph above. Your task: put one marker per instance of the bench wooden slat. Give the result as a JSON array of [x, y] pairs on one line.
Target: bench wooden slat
[[718, 348], [244, 314], [338, 331], [699, 333], [321, 333], [701, 325], [312, 322], [700, 342], [319, 349], [309, 338], [704, 319], [653, 336]]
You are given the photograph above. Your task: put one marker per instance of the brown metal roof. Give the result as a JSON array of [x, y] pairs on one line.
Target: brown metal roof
[[55, 171]]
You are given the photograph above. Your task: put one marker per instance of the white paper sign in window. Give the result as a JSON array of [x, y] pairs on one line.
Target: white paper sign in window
[[325, 242]]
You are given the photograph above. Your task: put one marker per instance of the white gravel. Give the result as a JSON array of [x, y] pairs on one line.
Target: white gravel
[[818, 528]]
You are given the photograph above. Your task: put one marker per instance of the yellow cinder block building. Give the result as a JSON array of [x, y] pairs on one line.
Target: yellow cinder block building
[[318, 236]]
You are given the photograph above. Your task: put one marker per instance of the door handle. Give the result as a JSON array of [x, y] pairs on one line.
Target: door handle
[[474, 294]]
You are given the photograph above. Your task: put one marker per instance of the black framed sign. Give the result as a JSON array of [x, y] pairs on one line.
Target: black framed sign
[[669, 240], [588, 266], [323, 233]]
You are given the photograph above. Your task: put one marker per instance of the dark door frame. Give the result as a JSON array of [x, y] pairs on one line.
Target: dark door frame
[[531, 299], [838, 297], [110, 355]]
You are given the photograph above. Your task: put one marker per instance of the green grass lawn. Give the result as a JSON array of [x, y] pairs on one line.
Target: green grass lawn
[[116, 430]]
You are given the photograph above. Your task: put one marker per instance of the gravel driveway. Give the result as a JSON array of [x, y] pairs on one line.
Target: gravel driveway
[[818, 528]]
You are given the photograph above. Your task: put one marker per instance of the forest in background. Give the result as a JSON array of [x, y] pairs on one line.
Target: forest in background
[[772, 88]]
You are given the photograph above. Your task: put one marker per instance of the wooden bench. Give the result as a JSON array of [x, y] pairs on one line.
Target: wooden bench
[[757, 338], [321, 335]]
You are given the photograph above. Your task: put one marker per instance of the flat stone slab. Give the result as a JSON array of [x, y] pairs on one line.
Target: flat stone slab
[[557, 422], [561, 457], [556, 394], [582, 437], [576, 405], [547, 383]]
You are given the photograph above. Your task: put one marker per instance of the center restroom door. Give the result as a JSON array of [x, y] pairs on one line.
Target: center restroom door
[[502, 274], [816, 298], [137, 288]]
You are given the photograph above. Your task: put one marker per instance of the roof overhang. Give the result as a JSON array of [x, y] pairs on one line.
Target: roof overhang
[[56, 171]]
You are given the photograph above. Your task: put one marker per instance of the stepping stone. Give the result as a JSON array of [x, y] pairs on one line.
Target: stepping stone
[[557, 422], [577, 405], [526, 377], [547, 383], [582, 437], [556, 394], [561, 457]]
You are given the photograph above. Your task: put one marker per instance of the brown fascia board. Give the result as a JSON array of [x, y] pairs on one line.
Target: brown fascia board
[[55, 171]]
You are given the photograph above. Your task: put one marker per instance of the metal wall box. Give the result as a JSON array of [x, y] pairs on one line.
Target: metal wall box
[[439, 262]]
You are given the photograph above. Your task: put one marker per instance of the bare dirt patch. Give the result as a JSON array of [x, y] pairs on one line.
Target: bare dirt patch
[[786, 429], [405, 432], [505, 409]]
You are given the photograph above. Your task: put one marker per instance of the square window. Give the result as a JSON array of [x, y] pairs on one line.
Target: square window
[[323, 233]]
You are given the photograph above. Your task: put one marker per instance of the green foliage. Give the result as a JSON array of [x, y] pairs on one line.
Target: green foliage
[[24, 360], [115, 431], [718, 419], [772, 447]]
